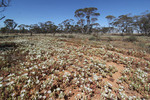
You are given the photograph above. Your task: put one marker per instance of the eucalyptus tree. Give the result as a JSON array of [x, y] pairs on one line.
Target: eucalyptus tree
[[22, 28], [110, 19], [67, 25], [88, 14], [124, 23], [48, 26], [145, 23], [10, 24], [42, 27], [34, 28], [81, 21], [136, 23]]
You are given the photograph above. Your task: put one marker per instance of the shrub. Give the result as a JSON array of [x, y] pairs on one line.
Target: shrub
[[131, 39], [65, 36], [92, 38], [71, 36], [110, 39]]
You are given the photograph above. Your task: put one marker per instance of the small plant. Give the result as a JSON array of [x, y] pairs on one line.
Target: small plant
[[71, 36], [64, 36], [92, 38], [131, 39]]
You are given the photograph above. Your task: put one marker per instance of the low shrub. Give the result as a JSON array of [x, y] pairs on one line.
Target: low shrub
[[92, 38], [131, 39], [65, 36], [71, 36]]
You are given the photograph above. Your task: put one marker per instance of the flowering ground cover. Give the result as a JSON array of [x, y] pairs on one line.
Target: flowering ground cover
[[44, 67]]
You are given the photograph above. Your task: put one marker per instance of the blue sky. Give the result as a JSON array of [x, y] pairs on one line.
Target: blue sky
[[34, 11]]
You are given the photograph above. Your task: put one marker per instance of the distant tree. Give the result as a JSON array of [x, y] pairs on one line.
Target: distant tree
[[22, 28], [42, 27], [67, 25], [104, 30], [124, 23], [3, 30], [81, 23], [3, 4], [60, 28], [145, 24], [35, 28], [89, 14], [10, 24], [136, 23], [110, 19], [96, 29], [49, 26]]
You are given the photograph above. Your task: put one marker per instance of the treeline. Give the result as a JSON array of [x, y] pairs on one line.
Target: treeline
[[86, 23]]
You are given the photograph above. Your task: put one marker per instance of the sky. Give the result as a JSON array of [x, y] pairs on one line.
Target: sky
[[34, 11]]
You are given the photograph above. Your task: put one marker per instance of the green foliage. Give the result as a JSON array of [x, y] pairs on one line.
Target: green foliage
[[10, 24], [71, 36], [131, 39], [3, 29], [63, 35], [92, 38], [87, 13]]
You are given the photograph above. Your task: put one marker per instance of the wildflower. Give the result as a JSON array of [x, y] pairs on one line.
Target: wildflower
[[23, 91], [49, 91], [1, 78], [37, 81], [1, 85], [95, 77], [12, 82]]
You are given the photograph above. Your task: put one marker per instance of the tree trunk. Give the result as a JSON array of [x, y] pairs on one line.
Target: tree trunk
[[88, 24]]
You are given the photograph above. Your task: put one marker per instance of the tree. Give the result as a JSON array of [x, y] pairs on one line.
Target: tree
[[22, 28], [80, 23], [124, 23], [89, 14], [67, 25], [110, 19], [104, 30], [10, 24], [145, 24], [136, 23], [3, 29], [3, 4]]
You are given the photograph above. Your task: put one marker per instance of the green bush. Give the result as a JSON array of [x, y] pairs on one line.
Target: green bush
[[92, 38], [131, 39], [71, 36], [65, 36]]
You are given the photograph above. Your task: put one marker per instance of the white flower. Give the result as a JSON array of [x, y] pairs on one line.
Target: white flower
[[33, 72], [1, 85], [22, 95], [12, 94], [95, 77], [49, 91], [1, 78], [10, 83], [44, 97], [25, 74], [23, 91], [37, 81], [58, 89]]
